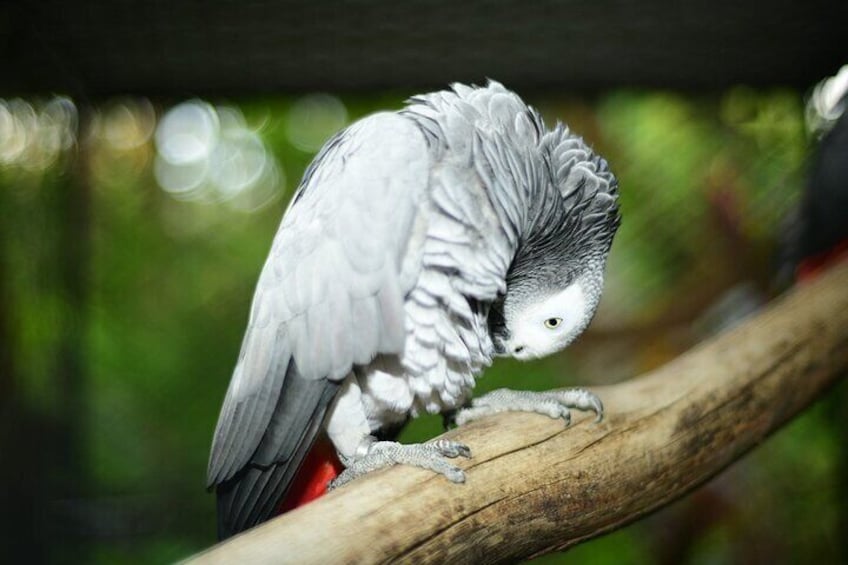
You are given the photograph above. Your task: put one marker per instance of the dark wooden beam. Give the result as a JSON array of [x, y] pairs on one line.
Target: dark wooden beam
[[227, 47]]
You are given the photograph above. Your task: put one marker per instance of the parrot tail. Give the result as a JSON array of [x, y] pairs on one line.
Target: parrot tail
[[266, 488], [321, 466], [253, 494]]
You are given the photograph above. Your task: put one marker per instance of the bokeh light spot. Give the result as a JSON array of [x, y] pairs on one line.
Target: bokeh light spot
[[127, 124], [313, 119], [187, 133], [33, 136], [210, 154]]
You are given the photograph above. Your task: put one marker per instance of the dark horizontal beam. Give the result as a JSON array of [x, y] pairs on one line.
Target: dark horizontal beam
[[227, 47]]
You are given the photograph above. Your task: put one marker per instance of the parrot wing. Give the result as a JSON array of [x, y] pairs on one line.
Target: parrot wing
[[329, 297]]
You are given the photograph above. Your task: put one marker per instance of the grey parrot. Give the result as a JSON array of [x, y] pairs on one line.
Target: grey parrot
[[419, 245]]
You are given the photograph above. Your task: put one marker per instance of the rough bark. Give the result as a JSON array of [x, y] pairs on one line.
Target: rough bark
[[534, 485]]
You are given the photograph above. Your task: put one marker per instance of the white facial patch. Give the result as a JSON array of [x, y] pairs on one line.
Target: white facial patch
[[548, 326]]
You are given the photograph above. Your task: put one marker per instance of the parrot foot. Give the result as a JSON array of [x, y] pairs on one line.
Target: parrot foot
[[430, 455], [554, 403]]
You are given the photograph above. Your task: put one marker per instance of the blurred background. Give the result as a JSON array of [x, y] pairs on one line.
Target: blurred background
[[148, 150]]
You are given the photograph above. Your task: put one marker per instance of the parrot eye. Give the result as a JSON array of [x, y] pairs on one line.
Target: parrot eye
[[553, 323]]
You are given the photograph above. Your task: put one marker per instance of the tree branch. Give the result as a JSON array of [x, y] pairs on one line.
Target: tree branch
[[534, 486]]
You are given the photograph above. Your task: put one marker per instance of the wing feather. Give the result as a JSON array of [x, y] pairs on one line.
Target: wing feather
[[252, 495], [329, 296]]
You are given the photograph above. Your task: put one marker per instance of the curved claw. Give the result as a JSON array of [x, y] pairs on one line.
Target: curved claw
[[454, 475], [598, 407], [581, 399], [451, 449]]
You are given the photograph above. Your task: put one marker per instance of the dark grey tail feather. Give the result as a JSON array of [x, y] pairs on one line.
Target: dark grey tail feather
[[252, 495], [232, 499]]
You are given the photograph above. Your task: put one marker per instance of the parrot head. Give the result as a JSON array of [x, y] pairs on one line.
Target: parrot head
[[555, 281], [536, 319]]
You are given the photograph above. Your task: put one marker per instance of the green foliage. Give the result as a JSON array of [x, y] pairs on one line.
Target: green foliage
[[169, 284]]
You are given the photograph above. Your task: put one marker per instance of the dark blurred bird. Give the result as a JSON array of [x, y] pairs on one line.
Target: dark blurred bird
[[817, 234]]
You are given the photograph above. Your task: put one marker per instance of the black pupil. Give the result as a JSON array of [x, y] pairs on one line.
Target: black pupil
[[553, 322]]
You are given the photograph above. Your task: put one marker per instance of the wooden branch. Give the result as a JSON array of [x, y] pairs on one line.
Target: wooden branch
[[534, 486]]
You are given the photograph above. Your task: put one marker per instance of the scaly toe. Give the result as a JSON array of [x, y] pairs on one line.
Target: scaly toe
[[582, 399], [339, 481], [450, 448], [455, 475]]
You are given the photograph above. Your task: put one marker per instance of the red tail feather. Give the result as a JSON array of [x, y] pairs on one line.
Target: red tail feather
[[319, 468], [813, 266]]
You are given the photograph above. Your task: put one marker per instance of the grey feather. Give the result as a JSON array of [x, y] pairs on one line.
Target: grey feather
[[408, 229], [251, 496], [324, 259]]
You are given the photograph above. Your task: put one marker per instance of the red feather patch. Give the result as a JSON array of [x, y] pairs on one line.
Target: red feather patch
[[319, 468], [813, 266]]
